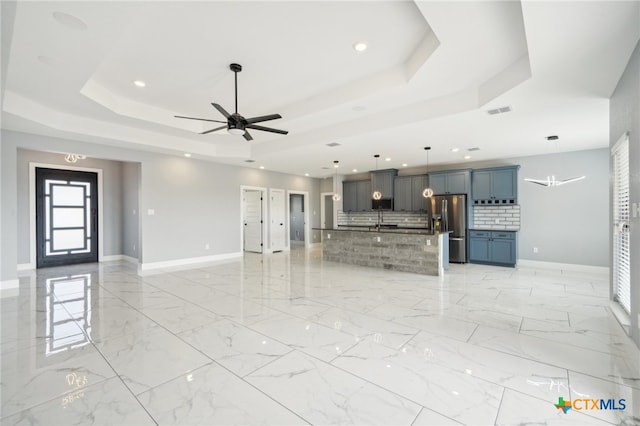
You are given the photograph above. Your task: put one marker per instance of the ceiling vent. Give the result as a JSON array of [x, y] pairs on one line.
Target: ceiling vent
[[474, 149], [501, 110], [249, 161], [552, 138], [332, 144]]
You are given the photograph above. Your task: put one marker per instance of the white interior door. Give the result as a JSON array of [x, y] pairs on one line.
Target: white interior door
[[278, 217], [252, 214]]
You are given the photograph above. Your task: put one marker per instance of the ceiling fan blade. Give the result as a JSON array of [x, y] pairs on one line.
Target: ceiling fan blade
[[247, 136], [201, 119], [213, 130], [266, 129], [222, 110], [263, 118]]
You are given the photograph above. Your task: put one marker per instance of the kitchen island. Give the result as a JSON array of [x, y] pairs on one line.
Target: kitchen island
[[420, 251]]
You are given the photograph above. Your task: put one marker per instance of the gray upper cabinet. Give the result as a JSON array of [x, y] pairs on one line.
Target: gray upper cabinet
[[418, 184], [451, 182], [383, 181], [356, 196], [402, 194], [497, 185], [408, 193], [363, 194], [349, 197]]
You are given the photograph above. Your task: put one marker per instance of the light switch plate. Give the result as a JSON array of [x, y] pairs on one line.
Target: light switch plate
[[151, 212]]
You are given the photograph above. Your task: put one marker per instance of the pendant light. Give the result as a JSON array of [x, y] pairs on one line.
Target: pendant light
[[377, 195], [551, 180], [428, 192], [336, 196]]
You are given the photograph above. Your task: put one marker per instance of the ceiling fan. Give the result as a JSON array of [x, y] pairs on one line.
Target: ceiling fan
[[237, 124]]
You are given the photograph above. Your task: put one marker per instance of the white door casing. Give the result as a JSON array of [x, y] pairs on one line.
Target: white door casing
[[277, 215], [252, 220]]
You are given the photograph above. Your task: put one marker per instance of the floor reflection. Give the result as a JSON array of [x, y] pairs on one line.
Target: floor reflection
[[68, 302]]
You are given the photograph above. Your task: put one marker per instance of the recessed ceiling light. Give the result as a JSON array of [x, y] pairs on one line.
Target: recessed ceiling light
[[466, 157], [306, 174], [186, 154], [404, 164], [262, 167], [387, 159], [360, 46], [140, 83], [69, 21], [455, 149], [354, 170]]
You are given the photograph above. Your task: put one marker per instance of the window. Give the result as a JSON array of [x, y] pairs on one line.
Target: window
[[621, 236]]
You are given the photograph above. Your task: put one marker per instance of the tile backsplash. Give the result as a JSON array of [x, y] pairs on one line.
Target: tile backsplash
[[406, 219], [506, 218]]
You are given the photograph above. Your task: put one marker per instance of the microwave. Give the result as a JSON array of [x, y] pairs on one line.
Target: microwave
[[383, 204]]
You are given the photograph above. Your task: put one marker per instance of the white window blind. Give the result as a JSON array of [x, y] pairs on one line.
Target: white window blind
[[621, 255]]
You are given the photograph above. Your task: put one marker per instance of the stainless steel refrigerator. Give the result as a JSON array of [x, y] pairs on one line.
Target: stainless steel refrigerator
[[451, 211]]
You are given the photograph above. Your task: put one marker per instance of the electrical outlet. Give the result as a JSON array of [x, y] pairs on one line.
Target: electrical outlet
[[535, 249], [206, 246], [428, 242], [378, 239], [328, 236], [151, 212], [497, 221]]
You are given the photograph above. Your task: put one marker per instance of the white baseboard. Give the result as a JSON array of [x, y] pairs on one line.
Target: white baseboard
[[117, 257], [9, 285], [145, 267], [563, 266], [25, 266]]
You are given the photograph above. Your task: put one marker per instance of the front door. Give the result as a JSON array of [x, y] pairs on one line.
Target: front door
[[66, 217]]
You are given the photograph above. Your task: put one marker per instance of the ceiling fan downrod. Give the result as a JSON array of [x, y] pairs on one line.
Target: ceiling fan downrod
[[236, 68]]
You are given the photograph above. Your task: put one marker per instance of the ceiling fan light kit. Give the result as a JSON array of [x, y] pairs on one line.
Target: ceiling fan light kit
[[236, 124]]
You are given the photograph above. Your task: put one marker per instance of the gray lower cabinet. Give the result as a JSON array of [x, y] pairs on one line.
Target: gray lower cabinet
[[493, 247], [356, 196]]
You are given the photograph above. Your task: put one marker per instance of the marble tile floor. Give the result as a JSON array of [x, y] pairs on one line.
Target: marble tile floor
[[286, 338]]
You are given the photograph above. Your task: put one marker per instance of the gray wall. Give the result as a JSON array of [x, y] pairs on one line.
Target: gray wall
[[569, 223], [111, 202], [625, 117], [130, 210], [196, 202]]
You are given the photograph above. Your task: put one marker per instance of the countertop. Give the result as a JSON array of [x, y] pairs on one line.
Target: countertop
[[398, 230]]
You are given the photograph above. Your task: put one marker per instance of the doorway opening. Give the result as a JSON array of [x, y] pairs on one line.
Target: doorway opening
[[327, 215], [66, 219], [298, 219]]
